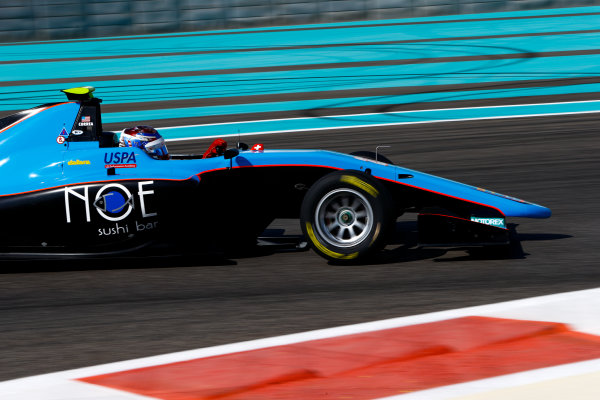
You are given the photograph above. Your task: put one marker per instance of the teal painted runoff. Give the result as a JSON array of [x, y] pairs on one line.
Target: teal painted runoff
[[365, 120], [529, 45], [345, 102], [233, 85], [313, 71]]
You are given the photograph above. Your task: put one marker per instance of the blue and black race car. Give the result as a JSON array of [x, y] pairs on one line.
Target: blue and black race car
[[68, 188]]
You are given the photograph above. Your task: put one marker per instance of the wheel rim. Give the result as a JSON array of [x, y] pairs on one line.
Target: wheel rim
[[344, 217]]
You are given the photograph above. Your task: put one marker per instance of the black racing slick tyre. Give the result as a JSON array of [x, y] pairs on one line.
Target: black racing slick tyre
[[346, 216]]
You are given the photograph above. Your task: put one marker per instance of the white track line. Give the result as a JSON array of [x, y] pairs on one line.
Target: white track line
[[387, 123]]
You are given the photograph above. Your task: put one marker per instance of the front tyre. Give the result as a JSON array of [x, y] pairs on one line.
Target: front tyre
[[346, 215]]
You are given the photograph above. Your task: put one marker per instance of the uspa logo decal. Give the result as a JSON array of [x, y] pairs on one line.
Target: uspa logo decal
[[120, 159]]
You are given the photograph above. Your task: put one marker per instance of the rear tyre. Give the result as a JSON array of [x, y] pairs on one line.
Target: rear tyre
[[346, 216]]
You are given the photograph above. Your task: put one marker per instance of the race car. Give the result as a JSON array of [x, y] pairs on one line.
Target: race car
[[70, 189]]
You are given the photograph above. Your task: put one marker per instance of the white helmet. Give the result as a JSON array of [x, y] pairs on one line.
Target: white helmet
[[147, 138]]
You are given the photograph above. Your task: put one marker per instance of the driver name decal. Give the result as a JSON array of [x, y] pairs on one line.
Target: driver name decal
[[86, 120]]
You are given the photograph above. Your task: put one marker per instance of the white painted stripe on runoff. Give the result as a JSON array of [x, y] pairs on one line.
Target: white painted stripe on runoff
[[400, 112], [64, 389], [385, 123], [502, 382], [543, 308]]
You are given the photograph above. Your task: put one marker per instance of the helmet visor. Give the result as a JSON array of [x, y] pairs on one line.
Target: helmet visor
[[157, 149]]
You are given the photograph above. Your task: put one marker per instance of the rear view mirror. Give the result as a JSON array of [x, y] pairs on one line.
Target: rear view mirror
[[231, 153]]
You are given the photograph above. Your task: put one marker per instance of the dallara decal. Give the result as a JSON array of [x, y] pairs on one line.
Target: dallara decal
[[79, 162]]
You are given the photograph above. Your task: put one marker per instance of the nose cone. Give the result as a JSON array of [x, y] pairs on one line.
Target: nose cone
[[526, 210], [542, 212]]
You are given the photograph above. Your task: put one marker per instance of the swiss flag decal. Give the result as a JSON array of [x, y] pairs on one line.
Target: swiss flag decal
[[258, 147]]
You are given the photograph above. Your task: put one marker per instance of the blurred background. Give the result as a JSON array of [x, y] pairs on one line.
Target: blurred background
[[62, 19]]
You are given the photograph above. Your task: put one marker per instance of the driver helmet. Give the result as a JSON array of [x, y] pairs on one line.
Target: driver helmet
[[146, 138]]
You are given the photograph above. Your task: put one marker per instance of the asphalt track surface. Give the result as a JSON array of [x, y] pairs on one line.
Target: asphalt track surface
[[62, 315], [67, 315]]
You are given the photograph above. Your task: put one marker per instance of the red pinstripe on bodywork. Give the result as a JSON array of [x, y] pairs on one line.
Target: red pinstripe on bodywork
[[261, 166], [339, 169]]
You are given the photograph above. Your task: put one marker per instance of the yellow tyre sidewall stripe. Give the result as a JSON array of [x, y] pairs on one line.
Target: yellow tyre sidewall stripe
[[354, 181], [377, 228], [325, 250]]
